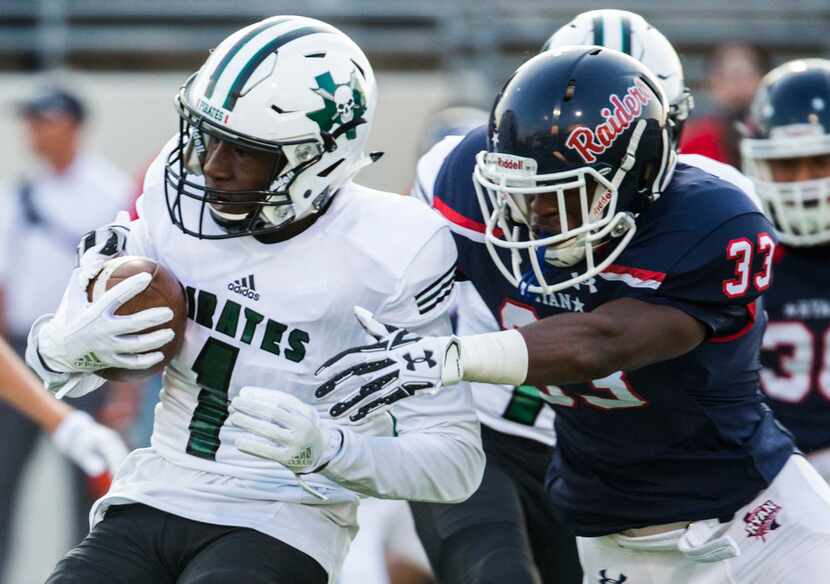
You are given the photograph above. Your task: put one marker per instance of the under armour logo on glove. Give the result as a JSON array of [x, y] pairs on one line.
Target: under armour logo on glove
[[427, 358], [369, 378]]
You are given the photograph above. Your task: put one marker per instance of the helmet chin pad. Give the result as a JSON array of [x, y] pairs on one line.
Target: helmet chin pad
[[226, 217], [565, 256]]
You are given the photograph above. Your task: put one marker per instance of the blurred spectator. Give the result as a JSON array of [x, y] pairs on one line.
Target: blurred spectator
[[42, 218], [733, 72]]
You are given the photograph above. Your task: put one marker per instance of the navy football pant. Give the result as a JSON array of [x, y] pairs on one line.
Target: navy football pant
[[505, 532], [136, 544]]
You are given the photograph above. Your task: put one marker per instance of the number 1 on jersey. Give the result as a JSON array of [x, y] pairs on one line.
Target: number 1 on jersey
[[214, 367]]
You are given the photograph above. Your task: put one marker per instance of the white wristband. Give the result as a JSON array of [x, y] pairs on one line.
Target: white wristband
[[495, 357]]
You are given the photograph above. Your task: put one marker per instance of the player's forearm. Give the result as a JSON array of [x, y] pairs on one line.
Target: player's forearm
[[443, 466], [20, 388], [622, 335], [575, 348], [564, 349]]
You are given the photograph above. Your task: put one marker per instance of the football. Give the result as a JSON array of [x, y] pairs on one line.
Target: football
[[164, 290]]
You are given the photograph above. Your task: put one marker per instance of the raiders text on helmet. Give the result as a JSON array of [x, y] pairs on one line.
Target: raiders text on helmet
[[587, 127], [629, 33]]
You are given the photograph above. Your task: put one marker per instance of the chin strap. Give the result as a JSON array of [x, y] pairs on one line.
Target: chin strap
[[529, 277]]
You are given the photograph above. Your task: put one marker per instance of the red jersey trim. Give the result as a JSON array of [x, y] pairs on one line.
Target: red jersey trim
[[457, 218], [634, 277]]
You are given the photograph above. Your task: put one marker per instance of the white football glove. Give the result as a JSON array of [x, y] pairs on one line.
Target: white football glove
[[93, 447], [283, 429], [370, 378], [85, 337]]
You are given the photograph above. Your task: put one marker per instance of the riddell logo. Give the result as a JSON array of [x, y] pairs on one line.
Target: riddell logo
[[245, 287], [510, 164], [590, 142], [600, 204], [763, 519]]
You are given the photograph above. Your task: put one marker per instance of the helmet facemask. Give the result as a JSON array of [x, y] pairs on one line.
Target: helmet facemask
[[586, 156], [679, 111], [294, 88], [236, 212], [506, 185], [800, 210]]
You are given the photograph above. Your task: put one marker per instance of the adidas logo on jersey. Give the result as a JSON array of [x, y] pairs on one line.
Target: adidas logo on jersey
[[245, 287]]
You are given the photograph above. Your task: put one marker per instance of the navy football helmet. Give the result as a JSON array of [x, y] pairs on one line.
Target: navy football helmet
[[587, 126], [790, 119]]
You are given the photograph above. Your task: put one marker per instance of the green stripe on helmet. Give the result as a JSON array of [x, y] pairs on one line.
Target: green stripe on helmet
[[220, 68], [261, 55], [626, 35], [599, 31]]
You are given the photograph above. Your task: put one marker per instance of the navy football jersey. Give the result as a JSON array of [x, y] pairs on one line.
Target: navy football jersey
[[685, 439], [796, 348]]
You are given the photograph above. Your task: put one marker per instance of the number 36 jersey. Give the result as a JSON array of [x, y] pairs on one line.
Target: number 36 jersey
[[681, 440], [796, 349], [268, 315]]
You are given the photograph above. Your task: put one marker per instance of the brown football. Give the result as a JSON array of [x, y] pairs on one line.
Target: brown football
[[164, 290]]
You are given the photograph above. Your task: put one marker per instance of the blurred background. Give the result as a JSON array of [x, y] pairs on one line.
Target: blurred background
[[123, 61]]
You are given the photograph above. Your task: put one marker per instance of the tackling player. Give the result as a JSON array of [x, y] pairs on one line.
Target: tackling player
[[516, 423], [253, 209], [633, 280], [787, 154]]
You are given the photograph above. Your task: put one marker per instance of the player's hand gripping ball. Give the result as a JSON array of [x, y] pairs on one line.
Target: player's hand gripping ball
[[164, 291]]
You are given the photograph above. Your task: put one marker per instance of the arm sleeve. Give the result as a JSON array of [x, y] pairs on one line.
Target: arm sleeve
[[721, 277], [435, 455], [426, 289]]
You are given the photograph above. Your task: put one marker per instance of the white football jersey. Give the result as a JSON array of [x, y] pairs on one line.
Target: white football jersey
[[517, 410], [269, 315]]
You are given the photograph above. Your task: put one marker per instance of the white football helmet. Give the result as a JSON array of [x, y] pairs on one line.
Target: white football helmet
[[629, 33], [293, 86]]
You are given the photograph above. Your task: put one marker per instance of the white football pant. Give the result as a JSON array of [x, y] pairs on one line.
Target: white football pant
[[781, 537]]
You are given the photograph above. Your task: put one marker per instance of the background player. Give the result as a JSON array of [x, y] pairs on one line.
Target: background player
[[787, 154], [516, 421], [244, 480], [639, 324]]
